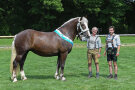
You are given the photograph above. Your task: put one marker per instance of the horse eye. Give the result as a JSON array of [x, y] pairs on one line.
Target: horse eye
[[83, 25]]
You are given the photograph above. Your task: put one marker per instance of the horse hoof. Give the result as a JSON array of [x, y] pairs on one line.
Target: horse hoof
[[25, 78], [63, 78], [57, 77], [15, 80]]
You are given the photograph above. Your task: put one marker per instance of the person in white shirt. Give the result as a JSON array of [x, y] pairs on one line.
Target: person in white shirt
[[112, 49], [94, 50]]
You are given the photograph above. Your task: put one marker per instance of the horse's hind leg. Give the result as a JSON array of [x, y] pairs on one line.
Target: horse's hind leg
[[15, 67], [23, 77], [63, 57], [57, 69]]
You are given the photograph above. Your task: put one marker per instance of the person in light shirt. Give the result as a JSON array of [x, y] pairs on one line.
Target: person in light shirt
[[112, 50], [94, 50]]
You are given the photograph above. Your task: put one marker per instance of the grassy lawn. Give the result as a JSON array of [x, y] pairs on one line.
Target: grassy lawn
[[40, 72], [6, 42], [124, 40]]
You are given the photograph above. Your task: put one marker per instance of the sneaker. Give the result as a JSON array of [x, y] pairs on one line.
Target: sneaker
[[115, 76], [110, 76], [97, 75]]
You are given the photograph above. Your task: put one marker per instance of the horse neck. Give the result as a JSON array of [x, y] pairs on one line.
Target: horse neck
[[70, 29]]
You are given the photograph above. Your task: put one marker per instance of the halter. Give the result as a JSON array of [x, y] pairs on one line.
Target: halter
[[82, 30]]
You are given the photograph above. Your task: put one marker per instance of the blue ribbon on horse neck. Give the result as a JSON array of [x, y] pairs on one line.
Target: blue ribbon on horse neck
[[63, 36]]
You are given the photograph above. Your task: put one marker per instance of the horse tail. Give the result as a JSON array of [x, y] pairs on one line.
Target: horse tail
[[13, 56]]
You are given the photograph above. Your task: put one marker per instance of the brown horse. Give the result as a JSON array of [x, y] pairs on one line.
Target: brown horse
[[58, 43]]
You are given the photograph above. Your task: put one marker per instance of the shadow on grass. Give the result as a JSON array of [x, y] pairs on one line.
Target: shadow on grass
[[40, 76], [34, 77], [94, 75], [18, 78], [72, 75], [52, 76], [103, 75]]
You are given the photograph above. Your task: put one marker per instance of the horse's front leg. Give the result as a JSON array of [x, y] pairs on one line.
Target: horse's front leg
[[57, 69], [63, 57]]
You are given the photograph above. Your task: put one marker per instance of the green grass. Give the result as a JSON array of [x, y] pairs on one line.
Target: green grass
[[40, 72], [124, 40], [6, 42]]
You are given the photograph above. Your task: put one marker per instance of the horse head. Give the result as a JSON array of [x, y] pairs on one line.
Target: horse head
[[82, 27]]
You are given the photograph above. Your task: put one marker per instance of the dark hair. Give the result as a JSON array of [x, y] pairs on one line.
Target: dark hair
[[112, 27]]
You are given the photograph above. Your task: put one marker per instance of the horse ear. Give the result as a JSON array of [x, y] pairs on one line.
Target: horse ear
[[81, 18], [86, 16]]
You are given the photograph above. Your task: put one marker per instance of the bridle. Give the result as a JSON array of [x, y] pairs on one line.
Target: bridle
[[80, 27]]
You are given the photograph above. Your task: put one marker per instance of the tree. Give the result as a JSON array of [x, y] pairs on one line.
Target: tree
[[18, 15], [47, 15]]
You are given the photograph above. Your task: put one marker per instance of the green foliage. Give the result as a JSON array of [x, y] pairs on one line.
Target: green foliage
[[53, 4], [47, 15], [31, 14]]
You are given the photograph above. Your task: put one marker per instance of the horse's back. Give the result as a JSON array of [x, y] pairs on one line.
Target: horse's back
[[41, 43], [45, 43]]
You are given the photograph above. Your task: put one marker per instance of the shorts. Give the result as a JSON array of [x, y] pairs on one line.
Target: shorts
[[92, 54], [111, 54]]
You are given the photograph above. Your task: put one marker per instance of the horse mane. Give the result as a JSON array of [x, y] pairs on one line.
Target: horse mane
[[68, 21]]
